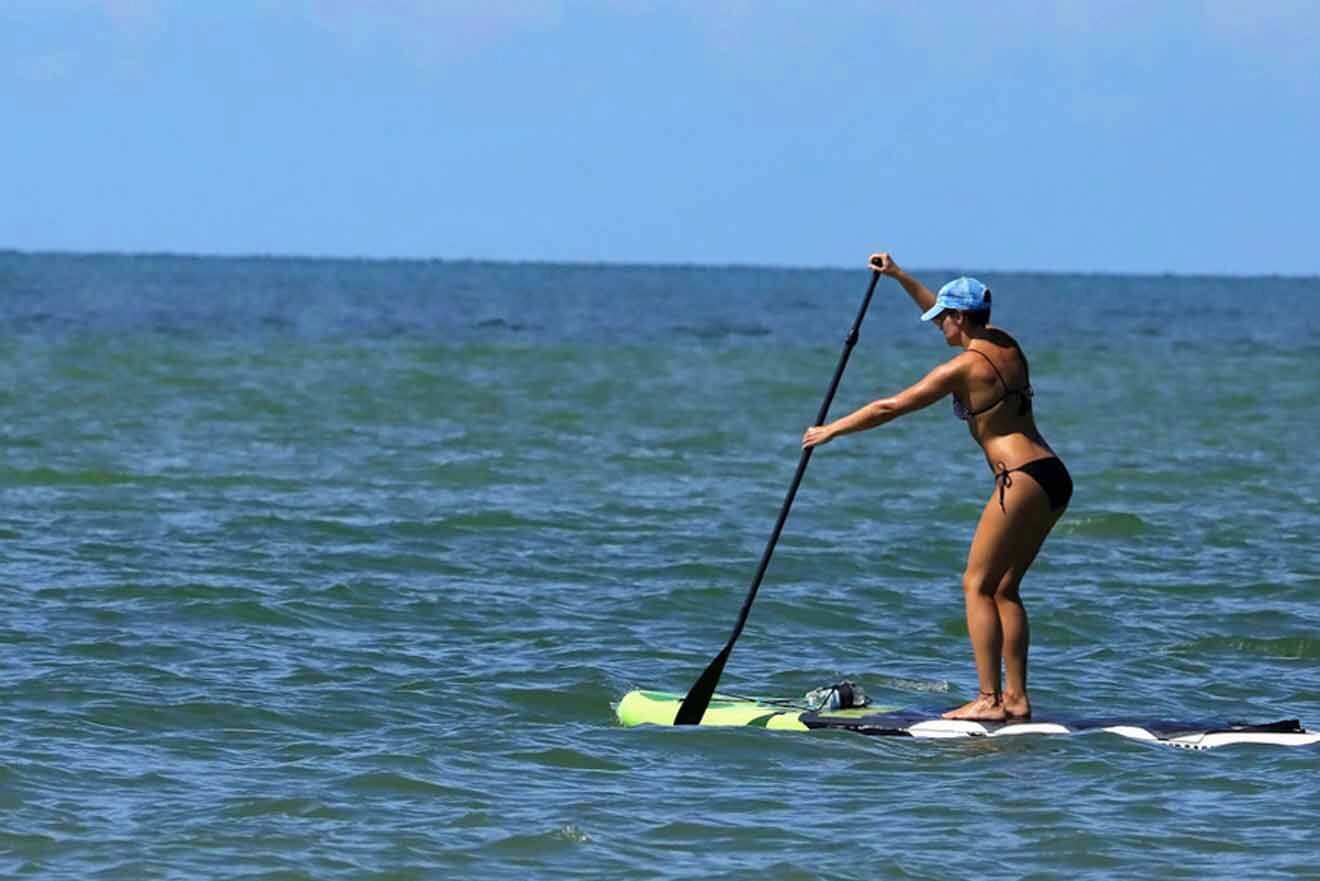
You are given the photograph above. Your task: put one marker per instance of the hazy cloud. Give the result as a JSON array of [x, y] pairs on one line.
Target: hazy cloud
[[433, 32], [53, 51], [741, 35], [52, 68], [1276, 28]]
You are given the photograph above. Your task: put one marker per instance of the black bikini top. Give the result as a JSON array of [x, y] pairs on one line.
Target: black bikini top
[[1024, 393]]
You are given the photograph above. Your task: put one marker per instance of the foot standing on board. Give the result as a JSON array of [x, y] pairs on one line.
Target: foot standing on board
[[991, 387]]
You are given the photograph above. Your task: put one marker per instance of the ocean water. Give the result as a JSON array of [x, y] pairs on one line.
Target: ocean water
[[332, 569]]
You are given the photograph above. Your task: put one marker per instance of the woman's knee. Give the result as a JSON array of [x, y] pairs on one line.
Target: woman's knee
[[1007, 588], [976, 583], [1000, 586]]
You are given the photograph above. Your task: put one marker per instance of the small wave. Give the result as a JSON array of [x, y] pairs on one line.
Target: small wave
[[388, 782], [254, 612], [572, 832], [1290, 648], [57, 477], [30, 842], [285, 807], [1108, 525], [503, 324], [719, 331], [164, 593], [28, 443], [194, 715], [916, 686], [492, 519], [561, 757], [525, 845], [550, 704]]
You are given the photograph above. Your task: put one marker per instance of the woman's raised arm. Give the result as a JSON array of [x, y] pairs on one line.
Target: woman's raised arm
[[919, 293]]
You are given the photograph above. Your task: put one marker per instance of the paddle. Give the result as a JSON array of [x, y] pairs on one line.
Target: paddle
[[699, 695]]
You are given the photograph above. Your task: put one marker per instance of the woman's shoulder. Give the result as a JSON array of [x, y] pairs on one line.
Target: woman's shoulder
[[1002, 344], [997, 336]]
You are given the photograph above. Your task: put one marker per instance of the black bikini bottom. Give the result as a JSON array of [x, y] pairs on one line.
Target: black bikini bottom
[[1050, 473]]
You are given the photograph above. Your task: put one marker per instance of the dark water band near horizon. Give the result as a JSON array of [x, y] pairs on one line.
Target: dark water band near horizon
[[331, 569]]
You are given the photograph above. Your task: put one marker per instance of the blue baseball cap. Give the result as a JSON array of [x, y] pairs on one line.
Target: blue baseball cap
[[964, 293]]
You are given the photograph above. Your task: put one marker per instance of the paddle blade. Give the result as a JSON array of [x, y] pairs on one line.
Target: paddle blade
[[699, 695]]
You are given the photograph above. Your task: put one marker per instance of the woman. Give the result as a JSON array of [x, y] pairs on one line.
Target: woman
[[991, 388]]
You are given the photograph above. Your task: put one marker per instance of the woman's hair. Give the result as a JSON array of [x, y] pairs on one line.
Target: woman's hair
[[979, 317]]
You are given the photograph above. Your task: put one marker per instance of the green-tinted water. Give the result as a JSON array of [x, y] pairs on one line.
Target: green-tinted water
[[332, 569]]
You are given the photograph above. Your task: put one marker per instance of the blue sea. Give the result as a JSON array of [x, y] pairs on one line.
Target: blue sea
[[323, 569]]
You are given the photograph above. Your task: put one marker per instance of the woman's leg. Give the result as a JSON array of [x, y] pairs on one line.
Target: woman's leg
[[1017, 632], [1007, 540]]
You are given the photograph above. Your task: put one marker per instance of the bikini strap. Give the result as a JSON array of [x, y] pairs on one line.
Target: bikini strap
[[1026, 391], [991, 362], [1004, 480], [970, 413]]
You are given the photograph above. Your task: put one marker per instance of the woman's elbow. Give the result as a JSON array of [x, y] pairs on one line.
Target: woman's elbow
[[882, 411]]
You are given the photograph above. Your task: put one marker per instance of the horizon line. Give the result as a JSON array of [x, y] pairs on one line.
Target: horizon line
[[614, 264]]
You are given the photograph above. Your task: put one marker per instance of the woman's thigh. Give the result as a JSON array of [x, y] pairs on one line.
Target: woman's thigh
[[1009, 537]]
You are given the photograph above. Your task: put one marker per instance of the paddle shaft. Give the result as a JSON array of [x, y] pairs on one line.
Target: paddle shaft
[[698, 697]]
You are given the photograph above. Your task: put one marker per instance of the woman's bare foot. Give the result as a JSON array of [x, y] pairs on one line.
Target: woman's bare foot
[[985, 707], [1016, 706]]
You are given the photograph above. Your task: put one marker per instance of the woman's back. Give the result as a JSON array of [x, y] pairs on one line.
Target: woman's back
[[997, 404]]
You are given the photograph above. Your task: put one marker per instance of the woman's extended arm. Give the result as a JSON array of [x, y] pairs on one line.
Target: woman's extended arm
[[919, 293], [933, 386]]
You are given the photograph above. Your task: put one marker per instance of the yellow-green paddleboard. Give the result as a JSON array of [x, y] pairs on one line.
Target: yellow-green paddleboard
[[660, 707]]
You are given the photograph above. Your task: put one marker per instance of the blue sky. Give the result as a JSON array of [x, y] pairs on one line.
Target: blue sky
[[1109, 136]]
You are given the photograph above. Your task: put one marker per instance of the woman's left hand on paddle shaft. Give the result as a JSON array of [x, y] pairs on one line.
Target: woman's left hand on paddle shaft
[[816, 436]]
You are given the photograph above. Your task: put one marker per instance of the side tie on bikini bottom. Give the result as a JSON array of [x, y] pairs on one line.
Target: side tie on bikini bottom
[[1004, 480], [1049, 472]]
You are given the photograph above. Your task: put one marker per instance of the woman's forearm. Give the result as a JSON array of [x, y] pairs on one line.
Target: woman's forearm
[[939, 383], [869, 416], [919, 293]]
